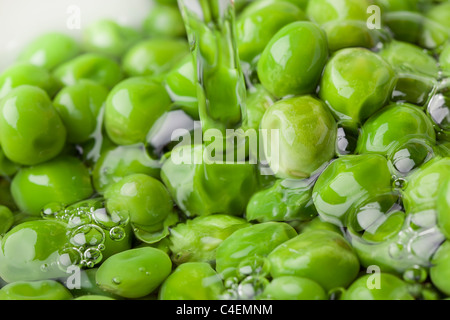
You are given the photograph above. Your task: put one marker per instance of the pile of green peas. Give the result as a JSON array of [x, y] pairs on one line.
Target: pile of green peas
[[91, 208]]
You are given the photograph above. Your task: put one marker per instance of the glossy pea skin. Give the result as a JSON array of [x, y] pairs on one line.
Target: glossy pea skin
[[390, 288], [192, 281], [132, 107], [120, 161], [91, 66], [64, 179], [307, 136], [390, 125], [108, 37], [79, 107], [320, 255], [164, 21], [259, 22], [294, 288], [346, 181], [30, 247], [443, 209], [49, 50], [356, 83], [257, 240], [439, 272], [321, 11], [197, 239], [27, 74], [154, 56], [31, 130], [35, 290], [134, 273], [6, 219], [289, 67]]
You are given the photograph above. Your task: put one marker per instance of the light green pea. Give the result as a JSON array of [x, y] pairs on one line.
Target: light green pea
[[321, 11], [164, 21], [294, 288], [35, 290]]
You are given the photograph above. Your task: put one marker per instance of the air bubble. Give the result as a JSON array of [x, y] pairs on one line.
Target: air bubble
[[415, 274], [117, 233], [256, 266]]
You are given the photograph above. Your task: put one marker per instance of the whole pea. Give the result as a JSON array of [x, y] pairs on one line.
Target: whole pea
[[79, 107], [132, 107], [294, 288], [31, 130], [35, 290], [356, 83], [91, 66], [64, 179], [443, 209], [192, 281], [320, 255], [289, 67], [164, 21], [49, 50], [321, 11], [301, 136], [134, 273]]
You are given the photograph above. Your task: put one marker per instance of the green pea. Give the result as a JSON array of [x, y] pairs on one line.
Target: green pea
[[50, 50], [132, 107], [288, 66], [30, 251], [393, 125], [443, 209], [30, 129], [6, 198], [259, 22], [301, 136], [347, 180], [389, 287], [320, 255], [197, 239], [89, 66], [441, 14], [27, 74], [302, 4], [121, 161], [398, 5], [319, 224], [64, 179], [87, 286], [356, 83], [321, 11], [35, 290], [7, 167], [252, 241], [192, 281], [405, 26], [6, 219], [200, 188], [109, 38], [93, 297], [439, 271], [294, 288], [154, 57], [443, 149], [134, 273], [257, 102], [164, 21], [79, 107]]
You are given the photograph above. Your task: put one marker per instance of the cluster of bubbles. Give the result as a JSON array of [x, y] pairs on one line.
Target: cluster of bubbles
[[88, 226]]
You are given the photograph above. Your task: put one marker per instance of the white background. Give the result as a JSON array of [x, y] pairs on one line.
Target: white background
[[23, 20]]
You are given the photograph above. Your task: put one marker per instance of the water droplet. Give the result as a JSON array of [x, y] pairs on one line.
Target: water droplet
[[117, 233], [116, 281], [415, 274], [396, 250], [44, 267], [399, 183]]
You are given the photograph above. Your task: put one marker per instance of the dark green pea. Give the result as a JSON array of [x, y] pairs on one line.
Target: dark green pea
[[79, 107], [35, 290], [31, 251], [440, 269], [443, 209], [405, 26], [347, 180], [6, 219], [197, 239], [294, 288], [320, 255], [321, 11], [118, 162], [27, 74], [356, 83], [64, 179], [301, 136], [50, 50], [164, 21], [192, 281], [134, 273], [289, 67], [90, 66], [132, 107], [390, 288], [31, 130], [201, 188], [443, 149], [259, 22], [252, 241], [286, 200], [109, 38], [154, 57], [392, 125]]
